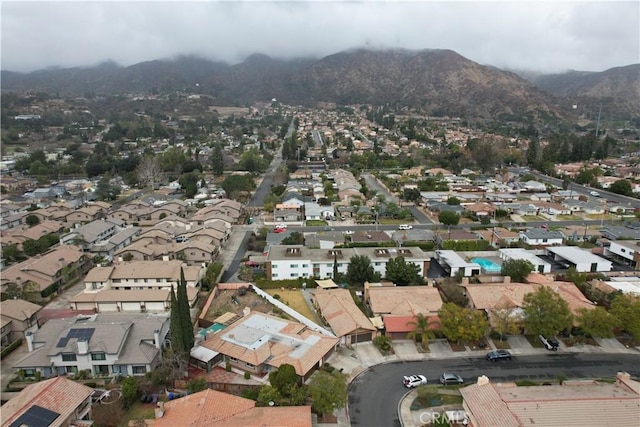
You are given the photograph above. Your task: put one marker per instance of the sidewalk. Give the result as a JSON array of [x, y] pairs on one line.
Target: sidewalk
[[353, 361]]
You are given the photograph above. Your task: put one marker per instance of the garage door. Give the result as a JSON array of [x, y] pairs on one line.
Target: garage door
[[361, 338], [130, 306], [107, 306], [155, 306], [84, 305], [397, 335]]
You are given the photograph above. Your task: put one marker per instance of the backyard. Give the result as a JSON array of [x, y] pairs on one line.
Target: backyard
[[294, 299]]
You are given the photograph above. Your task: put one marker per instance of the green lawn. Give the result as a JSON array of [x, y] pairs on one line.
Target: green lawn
[[533, 218], [568, 217], [139, 411]]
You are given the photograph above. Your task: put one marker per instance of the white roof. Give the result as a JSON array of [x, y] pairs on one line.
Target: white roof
[[626, 287], [520, 253], [577, 255], [203, 354], [454, 260]]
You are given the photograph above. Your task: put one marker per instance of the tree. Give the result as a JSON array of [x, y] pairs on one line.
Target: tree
[[30, 247], [284, 378], [506, 320], [360, 270], [597, 322], [545, 312], [175, 324], [626, 310], [267, 395], [149, 172], [403, 273], [452, 201], [195, 385], [328, 391], [462, 324], [189, 183], [32, 220], [11, 252], [185, 314], [622, 186], [295, 238], [104, 189], [422, 330], [449, 218], [217, 160], [130, 391], [517, 269], [234, 184]]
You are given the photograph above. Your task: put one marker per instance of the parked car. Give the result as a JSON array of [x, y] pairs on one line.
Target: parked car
[[414, 381], [405, 227], [497, 355], [551, 344], [280, 230], [281, 225], [594, 193], [450, 378], [348, 232]]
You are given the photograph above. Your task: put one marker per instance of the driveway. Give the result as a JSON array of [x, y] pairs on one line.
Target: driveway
[[518, 343], [405, 349], [368, 354]]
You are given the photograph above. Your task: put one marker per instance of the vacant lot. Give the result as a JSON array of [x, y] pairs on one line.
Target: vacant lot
[[295, 300], [225, 302]]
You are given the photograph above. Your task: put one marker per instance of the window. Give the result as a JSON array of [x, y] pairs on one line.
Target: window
[[116, 280], [71, 369], [293, 266], [294, 274], [139, 369], [305, 265], [119, 369], [101, 369], [274, 275], [249, 365], [329, 265], [69, 357], [98, 356], [29, 372], [274, 266], [232, 359], [135, 280], [146, 280]]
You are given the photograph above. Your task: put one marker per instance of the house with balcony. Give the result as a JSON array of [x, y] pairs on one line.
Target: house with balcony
[[19, 317], [57, 402], [42, 275], [105, 344], [625, 251]]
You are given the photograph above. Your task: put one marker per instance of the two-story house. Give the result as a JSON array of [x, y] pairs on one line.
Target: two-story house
[[18, 318], [105, 344]]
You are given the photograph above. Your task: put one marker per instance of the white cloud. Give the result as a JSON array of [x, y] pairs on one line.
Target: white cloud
[[539, 35]]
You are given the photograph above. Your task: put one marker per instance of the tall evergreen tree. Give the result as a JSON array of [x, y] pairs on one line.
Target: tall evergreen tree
[[177, 340], [217, 160], [188, 339]]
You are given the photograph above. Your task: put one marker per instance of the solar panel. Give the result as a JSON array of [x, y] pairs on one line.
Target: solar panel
[[83, 334], [36, 416]]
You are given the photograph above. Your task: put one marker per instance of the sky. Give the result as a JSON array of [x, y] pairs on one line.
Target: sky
[[544, 36]]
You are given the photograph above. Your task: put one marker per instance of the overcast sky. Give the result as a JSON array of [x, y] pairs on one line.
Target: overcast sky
[[543, 36]]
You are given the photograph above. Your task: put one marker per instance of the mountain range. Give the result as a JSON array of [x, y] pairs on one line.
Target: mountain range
[[440, 82]]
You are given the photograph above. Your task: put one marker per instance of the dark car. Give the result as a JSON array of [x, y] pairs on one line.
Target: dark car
[[497, 355], [449, 378], [551, 343]]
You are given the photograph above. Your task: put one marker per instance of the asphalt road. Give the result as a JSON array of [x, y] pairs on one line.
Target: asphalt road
[[374, 394]]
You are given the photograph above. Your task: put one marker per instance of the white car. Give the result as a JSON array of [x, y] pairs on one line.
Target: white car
[[348, 232], [594, 193], [405, 227], [281, 225], [414, 381]]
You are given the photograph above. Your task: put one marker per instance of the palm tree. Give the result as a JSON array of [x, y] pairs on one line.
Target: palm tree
[[422, 328]]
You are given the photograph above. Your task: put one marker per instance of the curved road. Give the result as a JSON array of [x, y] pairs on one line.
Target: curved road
[[375, 393]]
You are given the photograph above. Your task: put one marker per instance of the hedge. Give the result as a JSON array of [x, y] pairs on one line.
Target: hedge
[[10, 348]]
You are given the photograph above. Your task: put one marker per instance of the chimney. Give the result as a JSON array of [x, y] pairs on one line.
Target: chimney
[[165, 258], [507, 280], [83, 347], [156, 339], [159, 411], [61, 262], [29, 337], [246, 311], [188, 226], [483, 379]]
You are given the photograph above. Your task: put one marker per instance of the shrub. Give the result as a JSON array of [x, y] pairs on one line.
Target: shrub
[[227, 367], [383, 343], [247, 375], [276, 296]]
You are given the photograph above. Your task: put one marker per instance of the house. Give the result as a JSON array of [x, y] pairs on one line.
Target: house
[[139, 275], [480, 209], [192, 252], [499, 236], [19, 235], [215, 408], [541, 237], [581, 259], [575, 403], [42, 275], [453, 263], [259, 342], [105, 344], [629, 231], [313, 211], [338, 309], [58, 402], [101, 237], [291, 261], [539, 265], [579, 233], [455, 235], [626, 251], [534, 187], [399, 306], [18, 317]]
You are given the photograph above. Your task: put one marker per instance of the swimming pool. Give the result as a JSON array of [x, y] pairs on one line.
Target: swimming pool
[[213, 329], [487, 265]]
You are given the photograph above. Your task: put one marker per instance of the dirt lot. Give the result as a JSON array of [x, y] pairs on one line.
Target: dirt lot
[[224, 303], [294, 299]]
